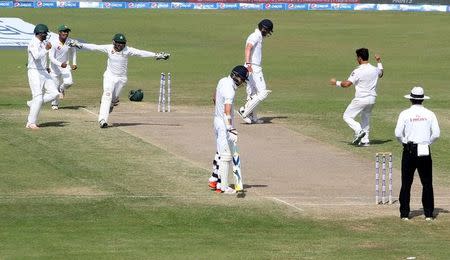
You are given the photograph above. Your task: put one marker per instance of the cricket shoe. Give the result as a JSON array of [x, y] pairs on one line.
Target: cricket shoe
[[31, 126], [29, 102], [358, 137], [55, 107], [229, 190], [103, 123], [247, 120], [365, 144], [213, 185]]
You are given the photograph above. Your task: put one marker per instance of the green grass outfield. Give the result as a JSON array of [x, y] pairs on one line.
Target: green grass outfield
[[74, 191]]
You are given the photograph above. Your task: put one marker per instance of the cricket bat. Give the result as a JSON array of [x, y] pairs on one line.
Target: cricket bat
[[237, 169]]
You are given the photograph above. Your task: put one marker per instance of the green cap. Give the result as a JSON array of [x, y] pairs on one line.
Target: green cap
[[63, 28], [40, 28], [119, 38]]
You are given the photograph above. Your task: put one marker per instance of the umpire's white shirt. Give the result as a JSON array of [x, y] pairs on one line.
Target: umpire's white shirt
[[61, 52], [37, 54], [365, 78], [117, 64], [225, 93], [256, 39], [418, 125]]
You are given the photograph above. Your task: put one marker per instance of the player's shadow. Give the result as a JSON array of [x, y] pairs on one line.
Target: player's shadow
[[268, 119], [378, 141], [72, 107], [419, 212], [54, 124], [136, 124]]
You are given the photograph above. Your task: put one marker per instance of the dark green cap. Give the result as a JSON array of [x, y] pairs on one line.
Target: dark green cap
[[40, 28], [63, 28], [119, 38]]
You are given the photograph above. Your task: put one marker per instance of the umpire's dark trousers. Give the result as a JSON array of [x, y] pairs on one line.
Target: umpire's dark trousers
[[423, 164]]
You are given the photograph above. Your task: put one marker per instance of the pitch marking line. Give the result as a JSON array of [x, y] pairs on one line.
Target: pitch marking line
[[287, 203]]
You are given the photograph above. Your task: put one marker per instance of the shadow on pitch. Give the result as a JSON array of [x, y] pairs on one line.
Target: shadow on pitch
[[136, 124], [268, 119], [419, 212], [54, 124], [372, 142], [72, 107]]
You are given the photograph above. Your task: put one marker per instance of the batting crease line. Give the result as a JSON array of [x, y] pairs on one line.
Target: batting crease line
[[289, 204]]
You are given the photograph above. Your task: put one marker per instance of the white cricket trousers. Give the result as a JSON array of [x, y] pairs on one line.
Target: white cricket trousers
[[43, 90], [112, 86], [364, 107], [63, 80], [256, 82]]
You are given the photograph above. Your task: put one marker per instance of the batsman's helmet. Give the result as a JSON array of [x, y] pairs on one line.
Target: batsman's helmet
[[40, 28], [266, 24], [240, 71], [119, 38], [136, 95]]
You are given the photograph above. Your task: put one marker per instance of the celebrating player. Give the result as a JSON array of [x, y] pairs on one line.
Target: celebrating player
[[256, 87], [226, 134], [60, 54], [365, 78], [43, 89], [115, 76]]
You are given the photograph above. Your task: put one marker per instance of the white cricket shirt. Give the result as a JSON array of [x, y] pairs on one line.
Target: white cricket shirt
[[418, 125], [365, 78], [117, 63], [37, 54], [61, 52], [256, 39], [225, 93]]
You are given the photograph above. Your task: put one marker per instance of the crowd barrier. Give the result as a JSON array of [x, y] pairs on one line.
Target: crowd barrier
[[229, 6]]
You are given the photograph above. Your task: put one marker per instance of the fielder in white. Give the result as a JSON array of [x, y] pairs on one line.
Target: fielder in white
[[43, 89], [365, 78], [226, 134], [60, 69], [256, 87], [115, 76]]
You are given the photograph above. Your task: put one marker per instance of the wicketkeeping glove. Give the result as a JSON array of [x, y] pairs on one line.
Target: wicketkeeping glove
[[75, 43], [136, 95], [162, 56]]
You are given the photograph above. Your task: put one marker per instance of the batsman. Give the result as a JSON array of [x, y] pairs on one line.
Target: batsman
[[226, 134]]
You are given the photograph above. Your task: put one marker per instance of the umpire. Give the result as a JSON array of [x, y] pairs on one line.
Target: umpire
[[417, 128]]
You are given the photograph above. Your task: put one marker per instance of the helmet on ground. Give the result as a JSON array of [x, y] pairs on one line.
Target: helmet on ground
[[119, 38], [266, 24], [40, 28], [240, 71], [136, 95]]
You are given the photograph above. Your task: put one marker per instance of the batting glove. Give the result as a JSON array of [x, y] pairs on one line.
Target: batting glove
[[233, 135]]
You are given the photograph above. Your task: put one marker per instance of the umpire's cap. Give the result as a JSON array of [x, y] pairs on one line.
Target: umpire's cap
[[240, 71]]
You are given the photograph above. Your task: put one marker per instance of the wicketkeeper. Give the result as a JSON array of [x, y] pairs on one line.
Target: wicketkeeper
[[226, 134], [115, 76]]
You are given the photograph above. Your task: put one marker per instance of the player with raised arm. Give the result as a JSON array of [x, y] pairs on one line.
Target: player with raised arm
[[115, 76], [60, 69], [365, 78]]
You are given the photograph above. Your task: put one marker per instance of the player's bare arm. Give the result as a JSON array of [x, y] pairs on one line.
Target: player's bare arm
[[248, 62], [379, 65], [342, 84]]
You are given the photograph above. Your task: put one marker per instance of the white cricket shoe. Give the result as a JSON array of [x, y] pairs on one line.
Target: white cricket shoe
[[247, 120], [29, 102], [358, 137], [228, 190], [103, 123], [55, 107], [31, 126]]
